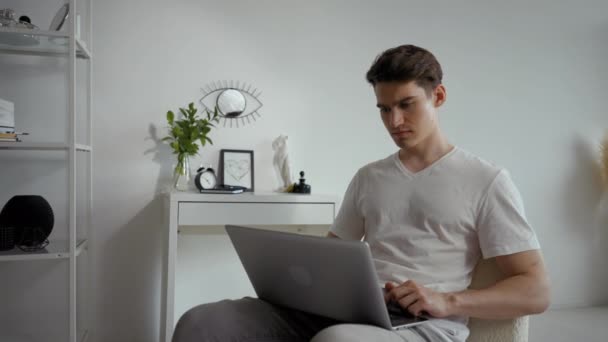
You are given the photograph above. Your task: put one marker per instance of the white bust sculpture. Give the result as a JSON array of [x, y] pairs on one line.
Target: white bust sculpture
[[282, 163]]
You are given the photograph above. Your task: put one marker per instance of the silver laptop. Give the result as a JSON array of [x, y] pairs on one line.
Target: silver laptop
[[323, 276]]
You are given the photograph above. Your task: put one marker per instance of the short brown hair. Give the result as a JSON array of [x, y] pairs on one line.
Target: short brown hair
[[406, 63]]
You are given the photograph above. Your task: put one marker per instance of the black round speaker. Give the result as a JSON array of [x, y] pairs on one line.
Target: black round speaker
[[32, 218], [7, 238]]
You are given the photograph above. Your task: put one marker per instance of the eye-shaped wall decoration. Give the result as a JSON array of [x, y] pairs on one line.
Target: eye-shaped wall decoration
[[237, 104]]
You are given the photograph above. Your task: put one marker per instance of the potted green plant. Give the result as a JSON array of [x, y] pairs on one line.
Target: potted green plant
[[184, 136]]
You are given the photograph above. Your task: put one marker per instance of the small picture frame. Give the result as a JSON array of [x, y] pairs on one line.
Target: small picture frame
[[237, 168]]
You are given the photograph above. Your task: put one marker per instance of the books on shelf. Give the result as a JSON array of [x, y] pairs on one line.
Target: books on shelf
[[8, 135], [7, 129], [13, 136]]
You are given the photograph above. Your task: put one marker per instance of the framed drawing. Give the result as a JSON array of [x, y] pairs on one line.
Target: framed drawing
[[237, 168]]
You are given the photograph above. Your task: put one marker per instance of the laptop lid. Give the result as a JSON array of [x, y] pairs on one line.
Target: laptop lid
[[328, 277]]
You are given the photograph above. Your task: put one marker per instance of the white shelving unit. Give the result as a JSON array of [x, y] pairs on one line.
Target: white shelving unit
[[60, 44]]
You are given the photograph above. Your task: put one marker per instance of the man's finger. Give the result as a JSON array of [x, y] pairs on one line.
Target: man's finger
[[408, 300], [387, 290], [409, 282], [417, 308], [402, 291]]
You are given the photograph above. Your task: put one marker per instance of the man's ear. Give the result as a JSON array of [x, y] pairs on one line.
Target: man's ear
[[439, 96]]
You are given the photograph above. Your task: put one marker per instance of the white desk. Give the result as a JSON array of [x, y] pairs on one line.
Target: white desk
[[267, 209]]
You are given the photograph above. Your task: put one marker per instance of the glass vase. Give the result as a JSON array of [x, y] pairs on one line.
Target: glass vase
[[181, 174]]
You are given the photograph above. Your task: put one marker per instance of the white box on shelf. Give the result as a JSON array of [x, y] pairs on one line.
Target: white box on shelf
[[7, 116], [7, 105]]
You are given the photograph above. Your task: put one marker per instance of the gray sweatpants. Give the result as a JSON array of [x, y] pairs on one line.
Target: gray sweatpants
[[250, 319]]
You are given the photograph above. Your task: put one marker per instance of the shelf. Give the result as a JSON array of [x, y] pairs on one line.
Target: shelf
[[37, 146], [39, 43], [55, 250], [83, 50], [27, 336], [83, 148], [34, 146]]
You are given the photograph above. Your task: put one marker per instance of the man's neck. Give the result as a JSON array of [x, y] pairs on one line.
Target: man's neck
[[418, 157]]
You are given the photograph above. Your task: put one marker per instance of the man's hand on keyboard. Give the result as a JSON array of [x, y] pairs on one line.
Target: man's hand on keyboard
[[417, 299]]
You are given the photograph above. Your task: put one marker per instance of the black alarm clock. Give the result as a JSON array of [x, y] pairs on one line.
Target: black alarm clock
[[205, 178]]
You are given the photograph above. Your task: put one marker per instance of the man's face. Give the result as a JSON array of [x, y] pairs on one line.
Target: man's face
[[409, 115]]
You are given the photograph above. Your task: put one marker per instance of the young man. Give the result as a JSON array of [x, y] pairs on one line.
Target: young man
[[428, 212]]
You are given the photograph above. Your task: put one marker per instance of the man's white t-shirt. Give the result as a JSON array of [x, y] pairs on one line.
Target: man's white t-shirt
[[433, 226]]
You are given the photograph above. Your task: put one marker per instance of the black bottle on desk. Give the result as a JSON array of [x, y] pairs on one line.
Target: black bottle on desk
[[302, 187]]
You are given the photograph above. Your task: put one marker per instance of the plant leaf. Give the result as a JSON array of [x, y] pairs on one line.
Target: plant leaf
[[194, 135], [177, 131], [170, 117]]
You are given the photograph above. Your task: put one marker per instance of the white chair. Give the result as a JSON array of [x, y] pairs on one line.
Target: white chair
[[483, 330]]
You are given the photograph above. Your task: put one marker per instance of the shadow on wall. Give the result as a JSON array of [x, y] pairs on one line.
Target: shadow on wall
[[162, 154], [131, 275], [583, 190], [131, 272], [587, 211]]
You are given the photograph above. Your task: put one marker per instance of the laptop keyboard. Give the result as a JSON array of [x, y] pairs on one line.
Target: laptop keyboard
[[398, 316]]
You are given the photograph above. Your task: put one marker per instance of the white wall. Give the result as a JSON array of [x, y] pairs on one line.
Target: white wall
[[525, 89]]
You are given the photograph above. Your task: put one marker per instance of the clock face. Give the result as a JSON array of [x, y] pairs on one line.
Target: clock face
[[208, 180]]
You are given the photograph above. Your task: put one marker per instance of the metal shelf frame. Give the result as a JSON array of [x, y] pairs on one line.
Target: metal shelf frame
[[52, 43]]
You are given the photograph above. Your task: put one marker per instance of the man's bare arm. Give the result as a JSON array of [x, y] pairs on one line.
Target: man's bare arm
[[524, 291]]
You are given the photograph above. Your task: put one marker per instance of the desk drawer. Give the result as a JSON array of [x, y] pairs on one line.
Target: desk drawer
[[209, 213]]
